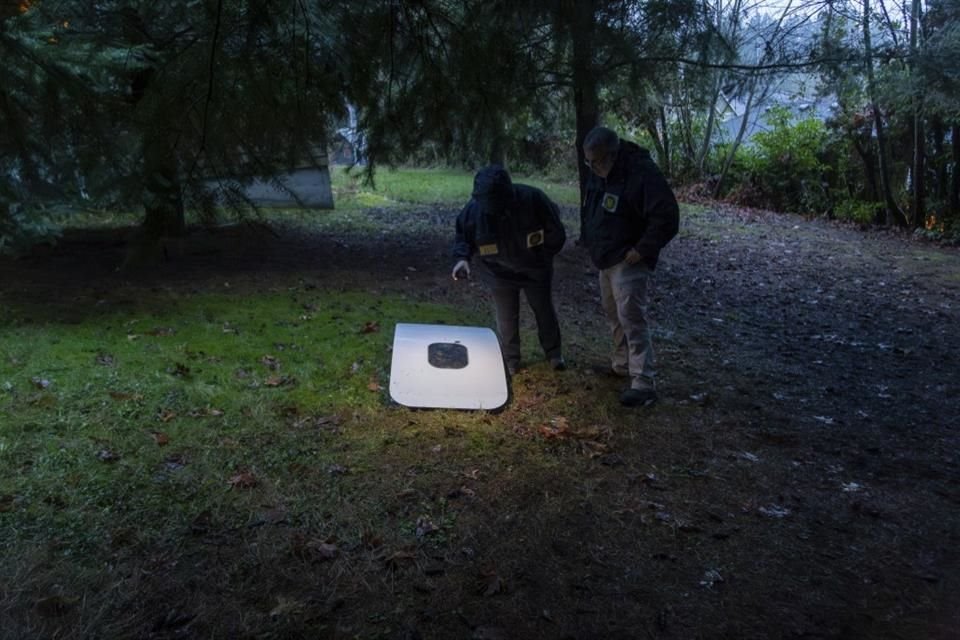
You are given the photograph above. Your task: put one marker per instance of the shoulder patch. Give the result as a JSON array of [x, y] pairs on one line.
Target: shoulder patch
[[535, 239], [610, 202]]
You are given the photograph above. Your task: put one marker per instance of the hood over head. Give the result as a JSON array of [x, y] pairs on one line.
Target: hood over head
[[492, 188]]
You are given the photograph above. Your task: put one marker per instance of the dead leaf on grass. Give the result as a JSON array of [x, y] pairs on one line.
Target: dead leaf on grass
[[370, 327], [166, 415], [323, 550], [551, 432], [160, 438], [286, 607], [425, 526], [104, 360], [593, 449], [397, 558], [207, 411], [491, 584], [243, 480], [279, 381], [270, 362], [106, 455], [373, 385]]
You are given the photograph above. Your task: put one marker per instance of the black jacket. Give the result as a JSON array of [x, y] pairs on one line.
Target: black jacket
[[633, 207], [514, 229]]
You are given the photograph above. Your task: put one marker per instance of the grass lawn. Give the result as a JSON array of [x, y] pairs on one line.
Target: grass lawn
[[139, 429], [208, 449]]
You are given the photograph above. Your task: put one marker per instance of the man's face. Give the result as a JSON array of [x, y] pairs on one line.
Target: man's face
[[599, 161]]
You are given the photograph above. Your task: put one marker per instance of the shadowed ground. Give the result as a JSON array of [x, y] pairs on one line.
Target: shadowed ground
[[797, 479]]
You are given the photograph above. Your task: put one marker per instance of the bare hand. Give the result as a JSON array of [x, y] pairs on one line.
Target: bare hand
[[632, 257], [461, 270]]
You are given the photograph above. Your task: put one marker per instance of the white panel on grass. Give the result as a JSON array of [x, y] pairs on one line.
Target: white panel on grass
[[446, 367]]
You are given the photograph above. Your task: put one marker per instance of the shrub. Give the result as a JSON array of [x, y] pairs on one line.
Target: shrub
[[787, 165]]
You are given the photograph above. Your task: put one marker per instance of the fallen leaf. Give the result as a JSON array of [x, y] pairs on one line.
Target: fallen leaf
[[592, 448], [106, 455], [279, 381], [774, 511], [270, 362], [286, 607], [160, 438], [425, 526], [243, 480], [551, 432], [373, 385], [166, 415], [370, 327], [395, 559], [323, 550], [491, 584]]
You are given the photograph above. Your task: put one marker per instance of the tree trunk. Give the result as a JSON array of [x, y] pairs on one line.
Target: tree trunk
[[728, 162], [918, 169], [654, 133], [701, 159], [163, 219], [869, 171], [893, 213], [579, 19], [955, 187], [665, 164]]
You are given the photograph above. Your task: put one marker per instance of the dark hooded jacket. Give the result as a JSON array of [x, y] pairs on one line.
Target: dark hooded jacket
[[633, 207], [514, 229]]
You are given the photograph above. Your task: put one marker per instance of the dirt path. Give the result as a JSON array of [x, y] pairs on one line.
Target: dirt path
[[810, 489]]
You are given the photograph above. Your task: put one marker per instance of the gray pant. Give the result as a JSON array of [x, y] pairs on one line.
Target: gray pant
[[506, 298], [624, 291]]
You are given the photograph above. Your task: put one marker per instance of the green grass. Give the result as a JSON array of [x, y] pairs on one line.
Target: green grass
[[392, 189], [150, 410], [442, 187], [178, 425]]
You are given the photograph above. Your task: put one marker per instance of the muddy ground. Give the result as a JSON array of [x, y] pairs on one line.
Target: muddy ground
[[798, 479]]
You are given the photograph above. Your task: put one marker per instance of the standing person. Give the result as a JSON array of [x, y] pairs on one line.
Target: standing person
[[516, 230], [629, 214]]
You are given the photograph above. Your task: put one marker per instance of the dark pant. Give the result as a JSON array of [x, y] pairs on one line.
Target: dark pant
[[506, 298]]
